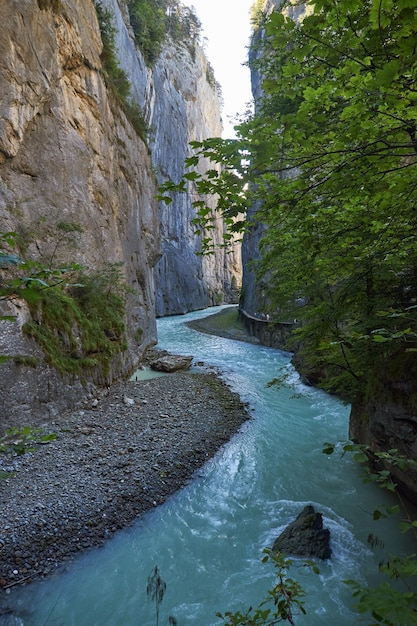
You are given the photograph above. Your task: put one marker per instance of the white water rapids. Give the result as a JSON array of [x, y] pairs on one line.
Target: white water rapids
[[207, 540]]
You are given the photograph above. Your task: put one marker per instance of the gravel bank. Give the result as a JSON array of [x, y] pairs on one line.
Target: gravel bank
[[111, 462]]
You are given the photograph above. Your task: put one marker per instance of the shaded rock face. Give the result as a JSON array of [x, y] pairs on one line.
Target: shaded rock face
[[253, 299], [253, 290], [69, 155], [181, 104], [305, 536], [387, 420], [184, 279]]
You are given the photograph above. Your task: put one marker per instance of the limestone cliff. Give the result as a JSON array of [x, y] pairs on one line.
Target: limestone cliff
[[180, 100], [70, 156], [184, 280], [252, 299]]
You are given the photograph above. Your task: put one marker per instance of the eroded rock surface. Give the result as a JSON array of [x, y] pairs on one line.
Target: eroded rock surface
[[305, 536], [172, 363], [70, 157]]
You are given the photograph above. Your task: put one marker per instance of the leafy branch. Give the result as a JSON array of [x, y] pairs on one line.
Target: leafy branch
[[387, 604], [286, 597]]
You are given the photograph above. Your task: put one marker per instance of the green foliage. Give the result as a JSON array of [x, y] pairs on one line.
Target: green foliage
[[116, 78], [25, 359], [389, 603], [386, 605], [257, 13], [327, 165], [153, 20], [377, 466], [7, 256], [148, 22], [21, 440], [286, 598], [77, 316], [81, 326]]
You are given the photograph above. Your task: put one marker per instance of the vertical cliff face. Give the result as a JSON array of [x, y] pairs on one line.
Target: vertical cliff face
[[186, 108], [253, 297], [69, 156], [181, 103]]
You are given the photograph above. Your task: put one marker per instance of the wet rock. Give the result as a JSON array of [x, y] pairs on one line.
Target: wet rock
[[305, 536], [172, 363]]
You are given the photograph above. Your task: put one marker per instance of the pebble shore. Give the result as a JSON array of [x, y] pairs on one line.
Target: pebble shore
[[122, 454]]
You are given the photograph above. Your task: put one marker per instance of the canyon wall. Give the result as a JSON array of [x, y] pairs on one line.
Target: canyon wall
[[70, 160], [184, 279], [181, 103]]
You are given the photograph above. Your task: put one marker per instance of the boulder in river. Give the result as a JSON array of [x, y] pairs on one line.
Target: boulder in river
[[171, 363], [305, 536]]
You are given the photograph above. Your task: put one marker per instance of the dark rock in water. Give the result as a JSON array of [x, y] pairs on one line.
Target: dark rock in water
[[171, 363], [305, 536]]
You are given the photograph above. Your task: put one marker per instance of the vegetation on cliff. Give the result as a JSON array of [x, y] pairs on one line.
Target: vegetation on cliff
[[153, 20], [116, 79], [77, 316]]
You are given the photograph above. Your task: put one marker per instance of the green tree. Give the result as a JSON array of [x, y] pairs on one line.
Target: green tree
[[329, 161], [148, 21], [153, 20], [284, 601]]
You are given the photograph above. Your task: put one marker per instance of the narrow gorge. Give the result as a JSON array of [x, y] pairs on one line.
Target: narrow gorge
[[115, 181], [91, 124]]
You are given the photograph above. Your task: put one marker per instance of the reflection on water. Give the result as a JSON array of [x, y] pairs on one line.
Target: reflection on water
[[146, 374], [207, 540]]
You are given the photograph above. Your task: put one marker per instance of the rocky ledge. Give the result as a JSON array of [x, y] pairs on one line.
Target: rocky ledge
[[121, 455]]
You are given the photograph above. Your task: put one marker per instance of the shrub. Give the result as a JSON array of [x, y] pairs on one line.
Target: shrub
[[116, 79]]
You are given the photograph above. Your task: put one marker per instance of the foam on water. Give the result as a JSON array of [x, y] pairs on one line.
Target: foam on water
[[208, 539]]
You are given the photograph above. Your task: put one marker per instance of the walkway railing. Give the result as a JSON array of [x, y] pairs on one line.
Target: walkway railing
[[270, 331]]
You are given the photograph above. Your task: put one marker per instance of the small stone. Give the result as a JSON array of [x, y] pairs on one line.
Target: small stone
[[128, 401]]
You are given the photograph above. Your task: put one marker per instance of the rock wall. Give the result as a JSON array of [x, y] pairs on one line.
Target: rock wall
[[253, 290], [68, 154], [386, 419], [186, 108], [181, 103], [252, 299], [184, 279]]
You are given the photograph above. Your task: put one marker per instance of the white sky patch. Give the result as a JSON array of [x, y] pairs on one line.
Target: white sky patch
[[226, 27]]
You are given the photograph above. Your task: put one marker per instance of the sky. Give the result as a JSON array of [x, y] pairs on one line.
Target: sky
[[226, 27]]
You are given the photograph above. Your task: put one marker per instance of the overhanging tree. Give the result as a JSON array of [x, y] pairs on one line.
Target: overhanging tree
[[330, 158]]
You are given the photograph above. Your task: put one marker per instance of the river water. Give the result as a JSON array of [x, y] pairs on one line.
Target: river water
[[207, 540]]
